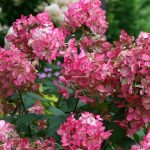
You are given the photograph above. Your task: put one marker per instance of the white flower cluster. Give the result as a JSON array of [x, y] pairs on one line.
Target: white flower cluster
[[10, 31], [57, 9]]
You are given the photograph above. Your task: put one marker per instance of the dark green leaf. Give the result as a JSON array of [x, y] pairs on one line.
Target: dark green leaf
[[125, 142], [54, 123], [55, 110], [29, 99]]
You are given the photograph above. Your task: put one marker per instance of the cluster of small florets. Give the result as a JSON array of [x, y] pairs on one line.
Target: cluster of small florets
[[16, 72], [86, 12], [85, 133], [136, 116], [92, 72], [37, 37], [6, 133], [133, 65], [9, 139], [122, 70], [22, 28], [125, 65], [46, 42], [48, 144]]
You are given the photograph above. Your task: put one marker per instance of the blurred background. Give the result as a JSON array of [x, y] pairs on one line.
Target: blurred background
[[131, 15]]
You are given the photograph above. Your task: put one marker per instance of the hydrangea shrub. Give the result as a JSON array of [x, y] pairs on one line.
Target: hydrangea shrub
[[99, 97]]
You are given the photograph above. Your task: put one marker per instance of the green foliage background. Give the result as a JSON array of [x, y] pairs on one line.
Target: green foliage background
[[130, 15]]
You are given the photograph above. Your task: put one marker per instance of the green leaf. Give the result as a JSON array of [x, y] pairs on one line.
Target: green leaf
[[27, 119], [15, 96], [51, 90], [68, 105], [136, 138], [10, 119], [141, 133], [125, 142], [117, 132], [119, 135], [77, 34], [57, 120], [55, 110], [54, 123], [29, 99]]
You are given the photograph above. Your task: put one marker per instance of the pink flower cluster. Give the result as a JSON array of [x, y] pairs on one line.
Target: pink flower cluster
[[121, 69], [136, 115], [46, 42], [133, 65], [37, 37], [16, 72], [86, 12], [9, 140], [6, 133], [22, 28], [88, 72], [85, 133], [144, 144]]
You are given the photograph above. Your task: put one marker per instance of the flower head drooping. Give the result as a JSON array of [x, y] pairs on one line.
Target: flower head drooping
[[137, 115], [16, 72], [86, 133]]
